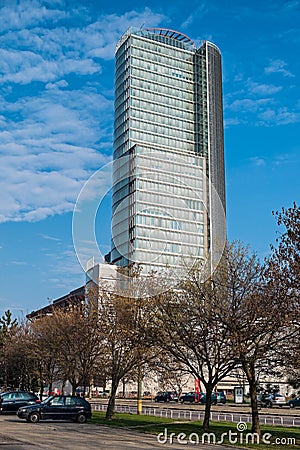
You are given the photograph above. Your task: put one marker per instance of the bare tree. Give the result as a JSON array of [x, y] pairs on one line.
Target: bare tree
[[43, 344], [7, 328], [256, 317], [170, 373], [186, 326], [284, 263], [123, 326], [79, 344], [283, 275]]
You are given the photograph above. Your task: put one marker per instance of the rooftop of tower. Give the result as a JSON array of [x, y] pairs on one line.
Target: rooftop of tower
[[163, 35]]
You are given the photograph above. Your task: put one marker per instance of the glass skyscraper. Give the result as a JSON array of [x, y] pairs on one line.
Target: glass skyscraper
[[168, 182]]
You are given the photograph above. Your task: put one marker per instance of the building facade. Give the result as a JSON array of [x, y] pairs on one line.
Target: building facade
[[168, 183]]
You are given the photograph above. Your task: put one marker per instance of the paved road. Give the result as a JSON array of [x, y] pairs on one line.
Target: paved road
[[20, 435]]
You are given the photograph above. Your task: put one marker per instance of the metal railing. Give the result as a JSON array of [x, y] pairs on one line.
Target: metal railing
[[183, 414]]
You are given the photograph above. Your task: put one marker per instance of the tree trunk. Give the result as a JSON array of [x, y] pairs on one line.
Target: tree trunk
[[5, 378], [206, 420], [251, 377], [41, 389], [41, 383], [112, 400], [254, 408]]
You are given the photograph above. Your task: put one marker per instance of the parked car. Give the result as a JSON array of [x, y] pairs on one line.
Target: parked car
[[166, 396], [294, 402], [187, 397], [193, 397], [267, 400], [279, 400], [59, 407], [11, 401], [214, 398], [221, 397]]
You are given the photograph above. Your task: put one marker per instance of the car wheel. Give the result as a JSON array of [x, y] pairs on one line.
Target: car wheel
[[81, 418], [292, 405], [34, 417]]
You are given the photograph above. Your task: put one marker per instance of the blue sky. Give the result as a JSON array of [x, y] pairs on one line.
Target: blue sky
[[56, 116]]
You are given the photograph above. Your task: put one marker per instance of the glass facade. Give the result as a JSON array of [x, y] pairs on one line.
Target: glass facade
[[168, 145]]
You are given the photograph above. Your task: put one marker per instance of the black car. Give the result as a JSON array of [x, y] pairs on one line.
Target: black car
[[166, 396], [11, 401], [58, 407], [188, 397], [214, 398], [193, 397], [294, 402]]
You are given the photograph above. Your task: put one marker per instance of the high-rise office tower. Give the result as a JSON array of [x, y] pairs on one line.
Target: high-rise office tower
[[168, 184]]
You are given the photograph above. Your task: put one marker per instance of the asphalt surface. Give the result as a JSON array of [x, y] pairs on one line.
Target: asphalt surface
[[16, 434]]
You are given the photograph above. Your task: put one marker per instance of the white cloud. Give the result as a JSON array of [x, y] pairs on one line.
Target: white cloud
[[66, 264], [278, 66], [201, 10], [258, 161], [281, 116], [262, 112], [49, 153], [275, 161], [57, 108], [28, 13], [50, 238], [247, 104], [231, 121], [292, 5], [262, 88], [286, 158], [57, 85], [18, 263], [25, 67]]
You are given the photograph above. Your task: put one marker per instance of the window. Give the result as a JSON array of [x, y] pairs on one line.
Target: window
[[57, 401], [74, 401]]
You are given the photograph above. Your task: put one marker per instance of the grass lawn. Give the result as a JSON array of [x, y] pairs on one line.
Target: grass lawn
[[156, 425]]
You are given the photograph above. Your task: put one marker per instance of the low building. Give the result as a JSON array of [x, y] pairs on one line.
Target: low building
[[73, 298]]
